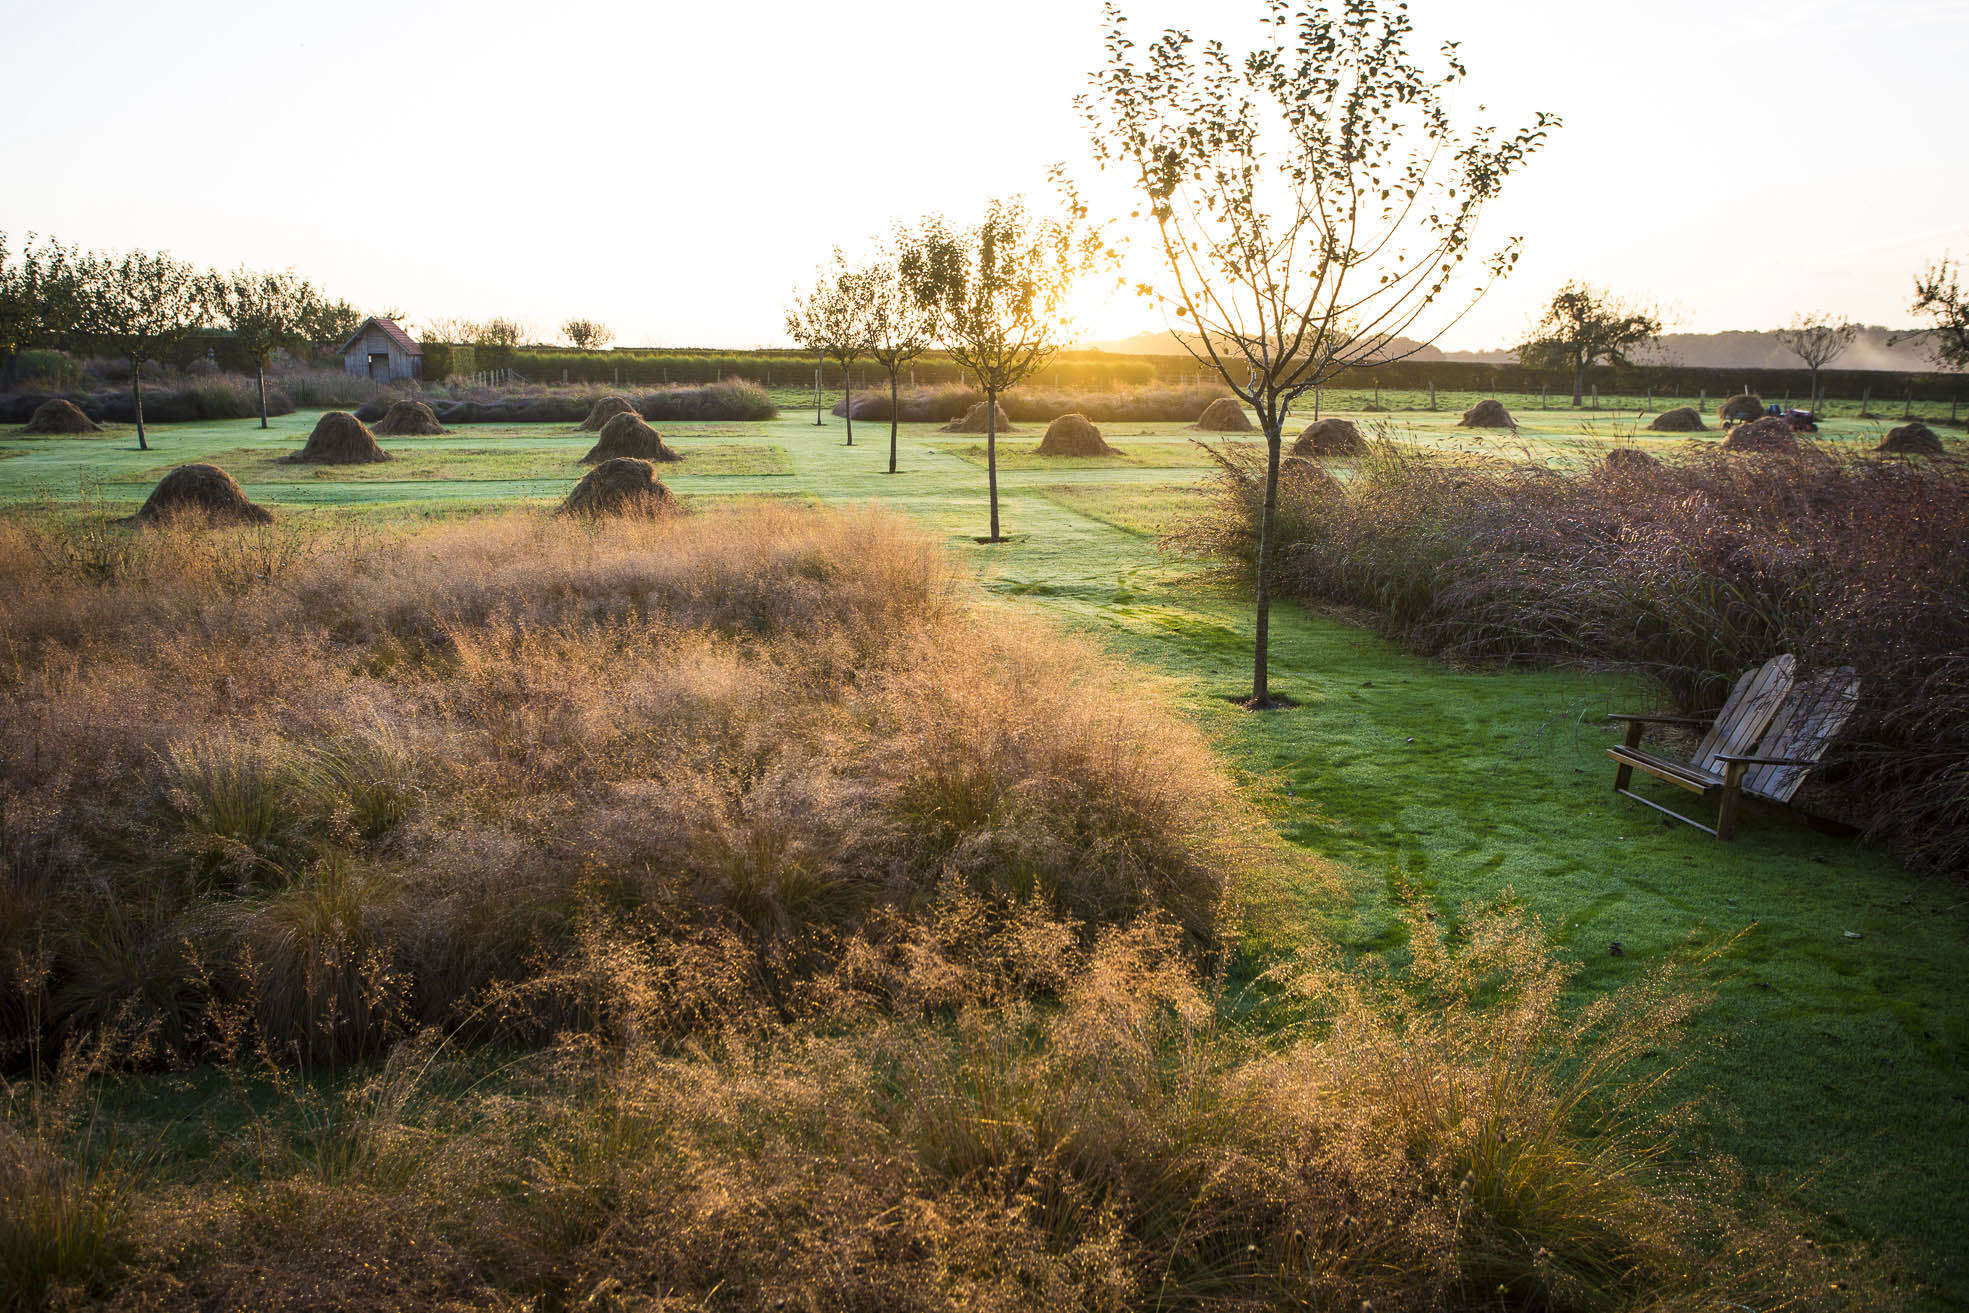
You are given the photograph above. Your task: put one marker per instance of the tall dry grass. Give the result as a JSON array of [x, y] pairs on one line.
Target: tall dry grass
[[844, 944], [1692, 569], [370, 775]]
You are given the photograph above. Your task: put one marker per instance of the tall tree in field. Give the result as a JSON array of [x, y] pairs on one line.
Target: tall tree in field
[[831, 320], [1818, 340], [1310, 202], [266, 313], [496, 340], [37, 299], [587, 334], [140, 306], [900, 329], [997, 297], [1582, 326], [330, 323], [1938, 295]]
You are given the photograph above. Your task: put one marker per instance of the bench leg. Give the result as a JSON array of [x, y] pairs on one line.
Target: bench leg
[[1623, 774], [1726, 811]]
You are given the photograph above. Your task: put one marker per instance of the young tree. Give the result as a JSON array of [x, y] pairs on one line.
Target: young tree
[[1818, 341], [831, 320], [899, 329], [1938, 294], [140, 306], [997, 297], [1582, 326], [1310, 202], [331, 323], [37, 299], [496, 340], [266, 312], [587, 334]]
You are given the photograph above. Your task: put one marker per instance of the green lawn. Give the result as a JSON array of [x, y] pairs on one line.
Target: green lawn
[[1833, 1054]]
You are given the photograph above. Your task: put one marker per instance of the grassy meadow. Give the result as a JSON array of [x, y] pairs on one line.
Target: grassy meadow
[[1401, 885]]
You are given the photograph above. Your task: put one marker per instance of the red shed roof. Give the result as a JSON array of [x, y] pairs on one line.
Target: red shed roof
[[390, 329]]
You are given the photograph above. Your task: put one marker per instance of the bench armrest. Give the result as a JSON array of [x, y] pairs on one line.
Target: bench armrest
[[1663, 720], [1766, 761]]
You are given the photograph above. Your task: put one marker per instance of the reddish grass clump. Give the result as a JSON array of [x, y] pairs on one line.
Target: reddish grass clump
[[1692, 568]]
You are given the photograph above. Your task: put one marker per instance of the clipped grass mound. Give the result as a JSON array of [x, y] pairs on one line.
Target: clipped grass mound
[[1330, 437], [339, 438], [1740, 408], [621, 485], [1223, 415], [1915, 439], [408, 418], [1633, 458], [1683, 419], [975, 420], [60, 416], [1771, 433], [1487, 414], [199, 491], [1073, 435], [606, 409], [627, 435]]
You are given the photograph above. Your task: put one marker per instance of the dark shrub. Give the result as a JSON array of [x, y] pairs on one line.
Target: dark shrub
[[1691, 569]]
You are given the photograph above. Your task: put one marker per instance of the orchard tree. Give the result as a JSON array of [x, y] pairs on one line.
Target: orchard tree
[[1818, 340], [1582, 326], [140, 306], [996, 294], [496, 340], [587, 334], [900, 329], [330, 323], [266, 313], [37, 299], [831, 320], [1938, 295], [1309, 201]]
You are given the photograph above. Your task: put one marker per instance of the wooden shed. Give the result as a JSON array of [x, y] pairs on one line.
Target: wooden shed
[[380, 349]]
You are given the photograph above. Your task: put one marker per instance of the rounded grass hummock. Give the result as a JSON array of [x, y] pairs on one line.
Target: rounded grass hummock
[[627, 434], [1330, 437], [408, 418], [62, 416], [199, 493], [1487, 414], [619, 486], [1224, 415], [339, 438], [978, 420], [1682, 419], [1073, 435], [606, 409]]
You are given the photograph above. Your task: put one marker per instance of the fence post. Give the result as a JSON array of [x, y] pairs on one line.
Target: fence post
[[1596, 396], [1650, 405], [1432, 394], [1866, 400], [1702, 400], [1907, 406], [1542, 390]]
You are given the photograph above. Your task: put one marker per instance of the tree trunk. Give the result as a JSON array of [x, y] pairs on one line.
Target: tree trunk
[[895, 413], [819, 365], [848, 401], [1261, 647], [1578, 382], [991, 455], [137, 387], [261, 372]]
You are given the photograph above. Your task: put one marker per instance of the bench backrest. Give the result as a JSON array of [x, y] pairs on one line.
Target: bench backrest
[[1812, 715], [1740, 725]]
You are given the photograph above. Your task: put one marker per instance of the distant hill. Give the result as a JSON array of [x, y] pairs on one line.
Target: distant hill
[[1168, 344], [1739, 349]]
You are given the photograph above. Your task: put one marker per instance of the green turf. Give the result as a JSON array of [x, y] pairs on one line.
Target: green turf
[[1835, 1064], [469, 460]]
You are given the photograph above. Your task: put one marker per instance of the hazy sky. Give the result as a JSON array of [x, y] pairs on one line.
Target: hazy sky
[[673, 169]]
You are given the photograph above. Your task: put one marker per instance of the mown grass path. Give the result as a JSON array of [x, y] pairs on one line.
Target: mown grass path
[[1835, 1047]]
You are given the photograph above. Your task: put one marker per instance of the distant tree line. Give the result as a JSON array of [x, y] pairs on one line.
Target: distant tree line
[[144, 306]]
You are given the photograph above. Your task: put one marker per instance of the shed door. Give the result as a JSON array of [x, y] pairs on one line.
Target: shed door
[[379, 364]]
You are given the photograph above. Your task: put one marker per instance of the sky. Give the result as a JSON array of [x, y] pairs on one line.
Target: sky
[[674, 170]]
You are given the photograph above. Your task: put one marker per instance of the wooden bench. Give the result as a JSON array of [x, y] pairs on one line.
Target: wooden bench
[[1761, 744]]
